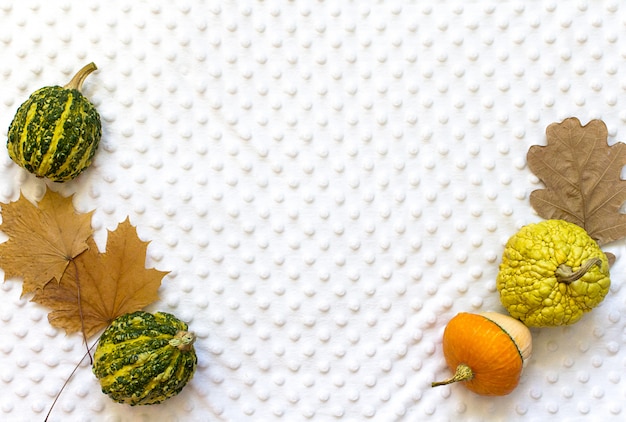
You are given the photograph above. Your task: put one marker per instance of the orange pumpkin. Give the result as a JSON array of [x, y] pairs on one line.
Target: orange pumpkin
[[486, 351]]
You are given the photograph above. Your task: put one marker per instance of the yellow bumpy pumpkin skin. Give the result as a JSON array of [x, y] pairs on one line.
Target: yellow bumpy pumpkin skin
[[552, 273]]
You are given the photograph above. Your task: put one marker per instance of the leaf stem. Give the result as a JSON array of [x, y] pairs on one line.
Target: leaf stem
[[88, 353], [80, 309]]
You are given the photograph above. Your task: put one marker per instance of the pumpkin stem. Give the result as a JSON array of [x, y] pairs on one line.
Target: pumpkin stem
[[183, 340], [565, 274], [462, 373], [78, 79]]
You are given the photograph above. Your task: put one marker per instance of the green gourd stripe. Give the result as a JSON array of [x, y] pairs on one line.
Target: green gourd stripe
[[77, 153], [38, 132], [50, 158], [22, 147]]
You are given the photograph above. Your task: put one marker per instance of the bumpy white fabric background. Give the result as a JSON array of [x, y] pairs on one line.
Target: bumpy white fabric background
[[328, 182]]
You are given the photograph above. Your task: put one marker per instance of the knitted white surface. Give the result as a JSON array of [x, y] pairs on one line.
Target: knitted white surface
[[328, 183]]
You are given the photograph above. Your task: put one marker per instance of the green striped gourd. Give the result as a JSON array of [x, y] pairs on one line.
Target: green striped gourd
[[55, 133], [145, 358]]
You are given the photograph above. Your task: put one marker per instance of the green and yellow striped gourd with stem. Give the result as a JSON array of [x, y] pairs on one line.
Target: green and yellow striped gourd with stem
[[55, 133], [145, 358]]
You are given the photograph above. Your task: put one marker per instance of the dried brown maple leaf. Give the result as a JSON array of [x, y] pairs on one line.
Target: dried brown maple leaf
[[107, 284], [43, 238], [582, 175]]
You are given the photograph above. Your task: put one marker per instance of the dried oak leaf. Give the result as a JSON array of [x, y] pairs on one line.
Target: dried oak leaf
[[43, 238], [582, 175], [106, 285]]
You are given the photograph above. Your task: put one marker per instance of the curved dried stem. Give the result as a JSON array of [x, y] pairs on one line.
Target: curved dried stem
[[80, 309], [79, 78], [69, 378], [565, 273], [462, 373]]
